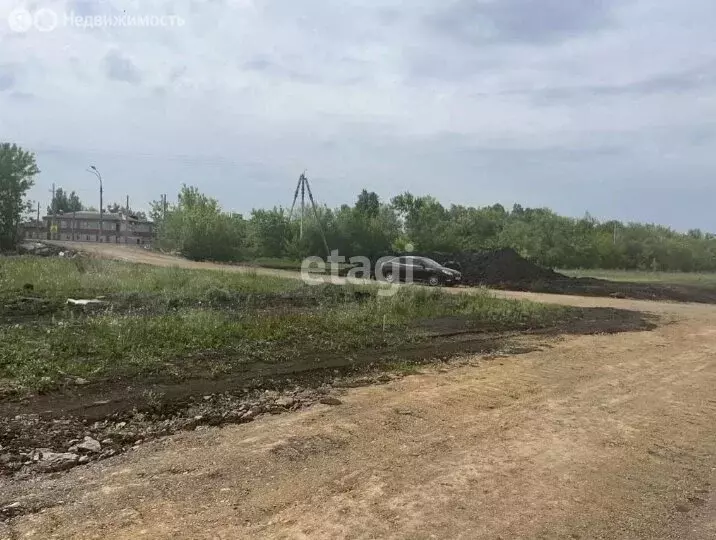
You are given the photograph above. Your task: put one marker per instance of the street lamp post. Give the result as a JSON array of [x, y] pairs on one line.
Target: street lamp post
[[94, 170]]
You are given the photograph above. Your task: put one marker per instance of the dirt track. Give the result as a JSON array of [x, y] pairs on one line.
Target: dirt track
[[590, 437]]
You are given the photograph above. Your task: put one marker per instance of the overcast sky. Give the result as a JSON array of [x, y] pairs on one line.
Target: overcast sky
[[606, 106]]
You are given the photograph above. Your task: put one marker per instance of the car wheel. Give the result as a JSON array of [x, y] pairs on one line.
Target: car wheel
[[389, 277], [434, 281]]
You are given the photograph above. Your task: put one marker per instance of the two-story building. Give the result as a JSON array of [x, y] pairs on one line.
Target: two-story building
[[117, 228]]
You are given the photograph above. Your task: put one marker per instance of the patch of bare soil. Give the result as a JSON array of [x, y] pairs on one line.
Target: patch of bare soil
[[597, 436], [617, 289], [120, 414]]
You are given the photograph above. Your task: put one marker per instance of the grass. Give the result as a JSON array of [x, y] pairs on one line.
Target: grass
[[289, 264], [707, 280], [196, 337], [279, 264], [57, 277]]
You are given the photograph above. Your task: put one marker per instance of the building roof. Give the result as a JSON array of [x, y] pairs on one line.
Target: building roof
[[106, 216]]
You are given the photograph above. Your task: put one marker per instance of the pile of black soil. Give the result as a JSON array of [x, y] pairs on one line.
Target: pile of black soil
[[506, 269], [495, 268]]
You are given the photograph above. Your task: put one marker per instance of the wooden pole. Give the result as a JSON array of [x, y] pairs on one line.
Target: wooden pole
[[54, 211]]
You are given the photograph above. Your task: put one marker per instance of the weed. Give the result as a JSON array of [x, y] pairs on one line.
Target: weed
[[180, 323]]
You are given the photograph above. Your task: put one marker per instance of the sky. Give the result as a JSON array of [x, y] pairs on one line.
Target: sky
[[605, 106]]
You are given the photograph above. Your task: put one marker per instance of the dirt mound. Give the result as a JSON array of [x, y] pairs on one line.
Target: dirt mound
[[506, 269], [495, 268]]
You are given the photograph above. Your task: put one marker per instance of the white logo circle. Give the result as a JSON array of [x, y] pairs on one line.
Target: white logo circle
[[20, 20], [45, 20]]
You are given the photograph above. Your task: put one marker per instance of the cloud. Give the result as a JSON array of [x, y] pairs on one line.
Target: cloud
[[520, 21], [22, 96], [680, 82], [120, 68], [7, 78], [85, 8], [562, 103]]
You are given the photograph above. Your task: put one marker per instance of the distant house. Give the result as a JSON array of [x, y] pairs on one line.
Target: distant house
[[117, 228]]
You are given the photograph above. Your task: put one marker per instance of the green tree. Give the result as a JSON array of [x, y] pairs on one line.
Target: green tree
[[369, 229], [117, 208], [198, 229], [426, 223], [368, 204], [63, 203], [17, 171], [269, 233]]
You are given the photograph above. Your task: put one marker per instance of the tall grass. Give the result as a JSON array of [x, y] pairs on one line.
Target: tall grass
[[200, 335], [65, 277]]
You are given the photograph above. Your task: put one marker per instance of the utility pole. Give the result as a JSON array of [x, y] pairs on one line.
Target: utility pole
[[94, 171], [54, 210], [304, 187], [164, 206], [303, 204], [37, 223], [126, 222]]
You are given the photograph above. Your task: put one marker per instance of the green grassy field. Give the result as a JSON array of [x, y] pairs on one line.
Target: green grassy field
[[292, 265], [637, 276], [184, 323], [67, 277]]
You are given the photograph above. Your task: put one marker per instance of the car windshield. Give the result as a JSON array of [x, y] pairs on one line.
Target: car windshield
[[428, 263]]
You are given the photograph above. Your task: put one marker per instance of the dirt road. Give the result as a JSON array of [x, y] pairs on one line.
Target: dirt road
[[589, 437]]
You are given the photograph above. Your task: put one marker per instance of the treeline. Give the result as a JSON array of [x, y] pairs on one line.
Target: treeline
[[66, 203], [196, 227]]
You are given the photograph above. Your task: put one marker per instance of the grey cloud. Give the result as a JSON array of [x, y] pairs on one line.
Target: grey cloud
[[269, 67], [521, 21], [177, 73], [121, 68], [676, 83], [84, 8], [7, 78], [295, 71], [22, 96], [701, 135], [259, 64]]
